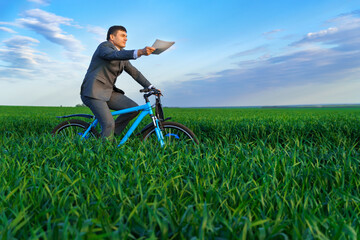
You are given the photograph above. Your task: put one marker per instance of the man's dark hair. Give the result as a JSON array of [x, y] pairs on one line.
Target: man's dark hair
[[113, 30]]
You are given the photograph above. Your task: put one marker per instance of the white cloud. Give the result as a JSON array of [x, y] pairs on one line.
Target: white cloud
[[8, 23], [270, 34], [347, 20], [20, 41], [254, 51], [322, 33], [19, 54], [5, 29], [100, 33], [97, 30], [48, 25], [344, 32], [24, 63]]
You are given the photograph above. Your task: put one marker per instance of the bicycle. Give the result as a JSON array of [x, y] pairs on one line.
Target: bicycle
[[159, 129]]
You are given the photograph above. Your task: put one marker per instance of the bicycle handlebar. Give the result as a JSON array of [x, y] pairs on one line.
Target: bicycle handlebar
[[151, 91]]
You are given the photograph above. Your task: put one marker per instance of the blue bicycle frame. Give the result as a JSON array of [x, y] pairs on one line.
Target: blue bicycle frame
[[145, 110]]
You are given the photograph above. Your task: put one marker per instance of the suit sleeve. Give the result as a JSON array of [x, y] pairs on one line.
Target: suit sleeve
[[136, 74], [108, 53]]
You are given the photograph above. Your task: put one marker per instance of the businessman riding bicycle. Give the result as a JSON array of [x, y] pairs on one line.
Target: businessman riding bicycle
[[98, 90]]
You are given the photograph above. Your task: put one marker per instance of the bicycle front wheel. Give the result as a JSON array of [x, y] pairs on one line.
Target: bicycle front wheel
[[173, 132], [74, 128]]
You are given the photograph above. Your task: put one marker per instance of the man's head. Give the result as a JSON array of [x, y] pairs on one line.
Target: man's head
[[117, 35]]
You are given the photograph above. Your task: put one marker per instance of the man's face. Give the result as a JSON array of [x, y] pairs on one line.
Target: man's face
[[119, 39]]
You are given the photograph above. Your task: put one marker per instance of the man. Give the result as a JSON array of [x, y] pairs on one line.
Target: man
[[98, 90]]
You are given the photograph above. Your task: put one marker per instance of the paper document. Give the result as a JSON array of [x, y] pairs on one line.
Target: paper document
[[161, 46]]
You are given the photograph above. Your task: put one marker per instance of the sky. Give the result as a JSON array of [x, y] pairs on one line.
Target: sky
[[226, 52]]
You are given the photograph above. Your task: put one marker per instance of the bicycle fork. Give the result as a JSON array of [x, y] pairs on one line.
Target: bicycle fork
[[158, 130], [156, 123]]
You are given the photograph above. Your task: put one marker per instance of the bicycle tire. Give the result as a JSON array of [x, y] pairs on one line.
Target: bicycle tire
[[173, 132], [74, 128]]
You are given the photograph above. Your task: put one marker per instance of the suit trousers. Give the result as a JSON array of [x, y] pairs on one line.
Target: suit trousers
[[101, 110]]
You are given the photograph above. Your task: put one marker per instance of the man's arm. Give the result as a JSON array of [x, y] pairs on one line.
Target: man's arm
[[108, 52], [136, 74]]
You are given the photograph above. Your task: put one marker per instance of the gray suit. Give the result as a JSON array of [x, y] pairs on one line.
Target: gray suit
[[98, 89], [106, 65]]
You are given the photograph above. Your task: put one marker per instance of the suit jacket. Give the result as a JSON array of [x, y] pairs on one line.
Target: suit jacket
[[106, 65]]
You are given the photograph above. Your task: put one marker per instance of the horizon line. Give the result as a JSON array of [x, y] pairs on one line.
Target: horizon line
[[250, 106]]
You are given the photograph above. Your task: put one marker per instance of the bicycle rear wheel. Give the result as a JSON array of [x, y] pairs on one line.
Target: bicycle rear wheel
[[173, 132], [74, 128]]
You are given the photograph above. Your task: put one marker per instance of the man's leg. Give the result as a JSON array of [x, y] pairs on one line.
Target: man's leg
[[119, 101], [102, 113]]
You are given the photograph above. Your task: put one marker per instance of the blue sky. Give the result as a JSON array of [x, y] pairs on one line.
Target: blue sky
[[226, 53]]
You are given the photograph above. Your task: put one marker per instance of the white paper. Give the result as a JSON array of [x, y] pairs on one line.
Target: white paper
[[161, 46]]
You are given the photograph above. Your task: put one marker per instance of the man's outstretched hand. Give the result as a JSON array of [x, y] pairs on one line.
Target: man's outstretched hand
[[145, 51]]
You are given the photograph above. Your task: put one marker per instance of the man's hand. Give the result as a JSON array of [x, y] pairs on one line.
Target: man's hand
[[154, 88], [145, 51]]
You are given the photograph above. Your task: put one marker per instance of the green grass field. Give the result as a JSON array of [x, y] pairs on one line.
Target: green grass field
[[257, 174]]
